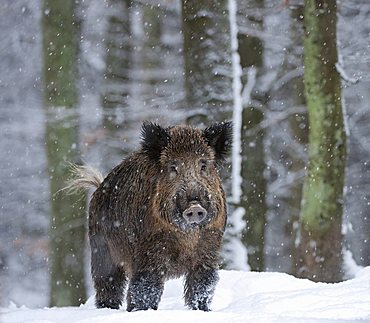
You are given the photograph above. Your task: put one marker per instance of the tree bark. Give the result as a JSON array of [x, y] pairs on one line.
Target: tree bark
[[207, 55], [118, 61], [67, 224], [299, 126], [254, 189], [116, 85], [253, 152], [320, 246]]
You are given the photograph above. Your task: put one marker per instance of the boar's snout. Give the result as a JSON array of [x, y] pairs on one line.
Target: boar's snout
[[194, 214]]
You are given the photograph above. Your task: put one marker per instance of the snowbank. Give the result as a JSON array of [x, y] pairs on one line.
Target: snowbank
[[240, 297]]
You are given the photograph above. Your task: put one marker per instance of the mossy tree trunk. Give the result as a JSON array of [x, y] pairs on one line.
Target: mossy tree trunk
[[67, 228], [320, 245]]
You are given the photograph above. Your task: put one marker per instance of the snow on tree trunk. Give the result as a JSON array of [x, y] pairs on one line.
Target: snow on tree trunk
[[237, 255], [67, 224], [320, 243]]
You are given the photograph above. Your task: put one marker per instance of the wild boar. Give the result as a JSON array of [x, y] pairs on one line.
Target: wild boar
[[160, 214]]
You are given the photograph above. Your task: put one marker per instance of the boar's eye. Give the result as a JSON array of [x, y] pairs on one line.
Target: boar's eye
[[173, 169], [203, 165]]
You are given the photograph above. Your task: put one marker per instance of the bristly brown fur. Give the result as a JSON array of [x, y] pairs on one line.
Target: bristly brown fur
[[137, 225]]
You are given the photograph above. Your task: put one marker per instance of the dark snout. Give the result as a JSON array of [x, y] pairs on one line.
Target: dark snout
[[194, 214]]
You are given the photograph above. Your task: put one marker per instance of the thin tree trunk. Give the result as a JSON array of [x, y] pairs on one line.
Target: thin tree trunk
[[67, 224], [320, 246], [298, 124], [253, 157], [254, 188]]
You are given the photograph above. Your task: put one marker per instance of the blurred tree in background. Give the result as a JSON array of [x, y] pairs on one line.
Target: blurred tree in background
[[253, 198], [68, 216], [298, 124], [320, 241], [118, 60], [115, 88], [207, 64]]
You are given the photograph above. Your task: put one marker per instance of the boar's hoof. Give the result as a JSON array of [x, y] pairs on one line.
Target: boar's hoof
[[131, 308], [108, 304], [201, 305], [194, 214]]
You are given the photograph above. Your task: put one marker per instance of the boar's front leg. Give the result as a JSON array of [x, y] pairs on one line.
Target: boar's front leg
[[200, 286], [145, 291]]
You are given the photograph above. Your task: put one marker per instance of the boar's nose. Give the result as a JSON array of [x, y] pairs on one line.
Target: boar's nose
[[194, 214]]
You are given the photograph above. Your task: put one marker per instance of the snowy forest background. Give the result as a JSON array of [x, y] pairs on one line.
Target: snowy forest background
[[170, 63]]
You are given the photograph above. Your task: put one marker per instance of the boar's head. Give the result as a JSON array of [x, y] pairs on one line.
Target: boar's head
[[188, 188]]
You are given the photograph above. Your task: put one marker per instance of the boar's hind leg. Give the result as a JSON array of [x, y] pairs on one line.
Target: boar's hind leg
[[199, 288], [109, 279], [145, 291]]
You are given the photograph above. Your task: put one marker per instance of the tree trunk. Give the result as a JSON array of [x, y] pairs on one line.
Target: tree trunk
[[320, 246], [116, 76], [154, 75], [116, 84], [298, 124], [207, 53], [253, 153], [67, 228]]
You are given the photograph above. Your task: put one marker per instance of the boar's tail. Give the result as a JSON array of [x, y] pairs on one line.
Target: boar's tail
[[83, 178]]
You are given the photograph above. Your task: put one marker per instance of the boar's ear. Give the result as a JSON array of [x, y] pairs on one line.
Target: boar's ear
[[154, 139], [219, 137]]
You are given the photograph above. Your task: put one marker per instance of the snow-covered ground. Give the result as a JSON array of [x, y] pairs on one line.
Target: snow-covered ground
[[240, 297]]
